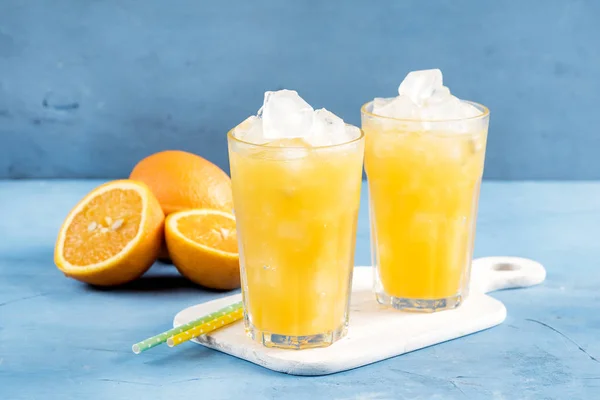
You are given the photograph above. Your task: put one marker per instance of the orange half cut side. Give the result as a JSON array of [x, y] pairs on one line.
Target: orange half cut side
[[203, 246], [112, 236]]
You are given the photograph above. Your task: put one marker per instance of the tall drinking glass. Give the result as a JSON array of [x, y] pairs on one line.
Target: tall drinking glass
[[424, 179], [296, 211]]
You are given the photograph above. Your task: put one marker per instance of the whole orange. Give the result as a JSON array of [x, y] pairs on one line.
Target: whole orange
[[183, 181]]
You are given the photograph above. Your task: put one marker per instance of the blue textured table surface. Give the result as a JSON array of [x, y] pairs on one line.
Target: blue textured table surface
[[60, 339]]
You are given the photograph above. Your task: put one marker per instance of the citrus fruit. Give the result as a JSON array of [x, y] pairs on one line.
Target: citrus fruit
[[203, 247], [112, 236], [182, 181]]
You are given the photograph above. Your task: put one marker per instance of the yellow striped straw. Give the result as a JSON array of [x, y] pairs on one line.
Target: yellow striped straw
[[205, 328]]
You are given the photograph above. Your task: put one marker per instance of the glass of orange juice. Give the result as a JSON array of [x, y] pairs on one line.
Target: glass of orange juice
[[296, 176], [424, 160]]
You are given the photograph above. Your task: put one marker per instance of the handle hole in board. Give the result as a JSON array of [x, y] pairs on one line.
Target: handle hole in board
[[503, 267]]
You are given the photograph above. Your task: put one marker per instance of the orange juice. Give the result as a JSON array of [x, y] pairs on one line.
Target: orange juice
[[424, 191], [296, 211]]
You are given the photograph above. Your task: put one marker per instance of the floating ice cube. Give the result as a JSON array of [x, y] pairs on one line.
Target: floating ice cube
[[439, 95], [454, 112], [291, 148], [286, 120], [449, 108], [285, 115], [469, 110], [327, 129], [466, 124], [422, 96], [420, 85], [251, 130], [396, 107], [380, 103]]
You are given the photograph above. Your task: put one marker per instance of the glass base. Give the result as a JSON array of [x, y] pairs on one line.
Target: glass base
[[419, 305], [274, 340]]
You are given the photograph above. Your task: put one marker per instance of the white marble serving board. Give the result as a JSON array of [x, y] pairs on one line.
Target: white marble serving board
[[376, 332]]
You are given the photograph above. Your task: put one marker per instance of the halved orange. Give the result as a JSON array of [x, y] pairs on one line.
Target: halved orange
[[112, 236], [203, 246]]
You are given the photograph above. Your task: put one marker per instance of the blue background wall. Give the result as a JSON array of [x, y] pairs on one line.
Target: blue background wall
[[88, 87]]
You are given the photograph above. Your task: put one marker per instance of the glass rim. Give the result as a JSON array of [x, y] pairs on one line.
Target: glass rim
[[485, 113], [232, 137]]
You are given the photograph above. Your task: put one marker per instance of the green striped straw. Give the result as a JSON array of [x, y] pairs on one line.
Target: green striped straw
[[162, 337]]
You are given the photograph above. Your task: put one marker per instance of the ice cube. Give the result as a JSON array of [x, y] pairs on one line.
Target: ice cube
[[285, 115], [352, 132], [327, 129], [397, 107], [251, 131], [291, 149], [469, 123], [420, 85], [286, 120], [381, 103], [454, 116], [448, 108], [438, 96], [423, 97], [469, 110]]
